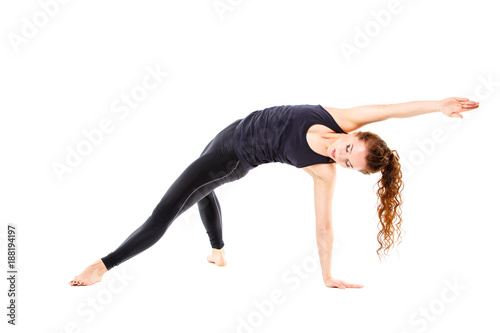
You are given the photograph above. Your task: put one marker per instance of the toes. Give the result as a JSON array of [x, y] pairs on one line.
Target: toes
[[76, 283]]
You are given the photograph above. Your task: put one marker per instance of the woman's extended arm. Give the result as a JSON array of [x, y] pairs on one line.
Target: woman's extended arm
[[411, 109], [323, 195], [450, 106], [356, 117]]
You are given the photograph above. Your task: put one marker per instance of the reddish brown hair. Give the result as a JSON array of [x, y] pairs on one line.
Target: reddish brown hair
[[381, 158]]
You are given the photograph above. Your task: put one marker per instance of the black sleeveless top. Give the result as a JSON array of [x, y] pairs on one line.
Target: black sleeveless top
[[278, 134]]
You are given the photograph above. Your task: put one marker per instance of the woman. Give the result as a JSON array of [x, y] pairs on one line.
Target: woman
[[309, 137]]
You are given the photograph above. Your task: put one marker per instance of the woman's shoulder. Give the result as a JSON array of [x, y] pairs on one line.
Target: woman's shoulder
[[340, 117]]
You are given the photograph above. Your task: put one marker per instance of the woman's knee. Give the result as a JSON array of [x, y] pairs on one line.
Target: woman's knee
[[208, 200]]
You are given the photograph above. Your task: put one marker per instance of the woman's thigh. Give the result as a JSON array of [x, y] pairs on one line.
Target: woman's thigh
[[217, 165], [201, 177]]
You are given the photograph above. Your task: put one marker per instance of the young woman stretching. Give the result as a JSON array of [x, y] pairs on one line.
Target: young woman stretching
[[310, 137]]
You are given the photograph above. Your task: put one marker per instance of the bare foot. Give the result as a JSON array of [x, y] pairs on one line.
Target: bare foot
[[218, 257], [90, 275]]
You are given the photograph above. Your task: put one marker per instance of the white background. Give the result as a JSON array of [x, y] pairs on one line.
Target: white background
[[65, 76]]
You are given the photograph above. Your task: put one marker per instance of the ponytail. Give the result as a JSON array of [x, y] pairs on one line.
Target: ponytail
[[389, 203], [390, 185]]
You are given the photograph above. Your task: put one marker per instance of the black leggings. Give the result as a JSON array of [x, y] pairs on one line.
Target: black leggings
[[217, 165]]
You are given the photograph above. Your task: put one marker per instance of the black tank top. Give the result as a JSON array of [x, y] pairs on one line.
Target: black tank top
[[278, 134]]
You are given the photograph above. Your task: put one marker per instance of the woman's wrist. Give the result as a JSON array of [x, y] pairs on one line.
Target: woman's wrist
[[432, 106], [440, 105]]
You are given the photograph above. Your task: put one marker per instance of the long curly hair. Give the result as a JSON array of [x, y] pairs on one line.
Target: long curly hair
[[390, 185]]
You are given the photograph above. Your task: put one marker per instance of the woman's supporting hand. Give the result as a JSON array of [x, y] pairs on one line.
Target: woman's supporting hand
[[334, 283], [454, 105]]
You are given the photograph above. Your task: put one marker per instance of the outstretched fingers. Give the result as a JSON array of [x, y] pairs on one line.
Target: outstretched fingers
[[469, 105], [464, 106], [352, 285]]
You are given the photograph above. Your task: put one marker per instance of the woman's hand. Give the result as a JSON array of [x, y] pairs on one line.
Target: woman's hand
[[454, 105], [334, 283]]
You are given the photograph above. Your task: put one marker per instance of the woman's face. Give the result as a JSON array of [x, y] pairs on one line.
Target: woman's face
[[348, 151]]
